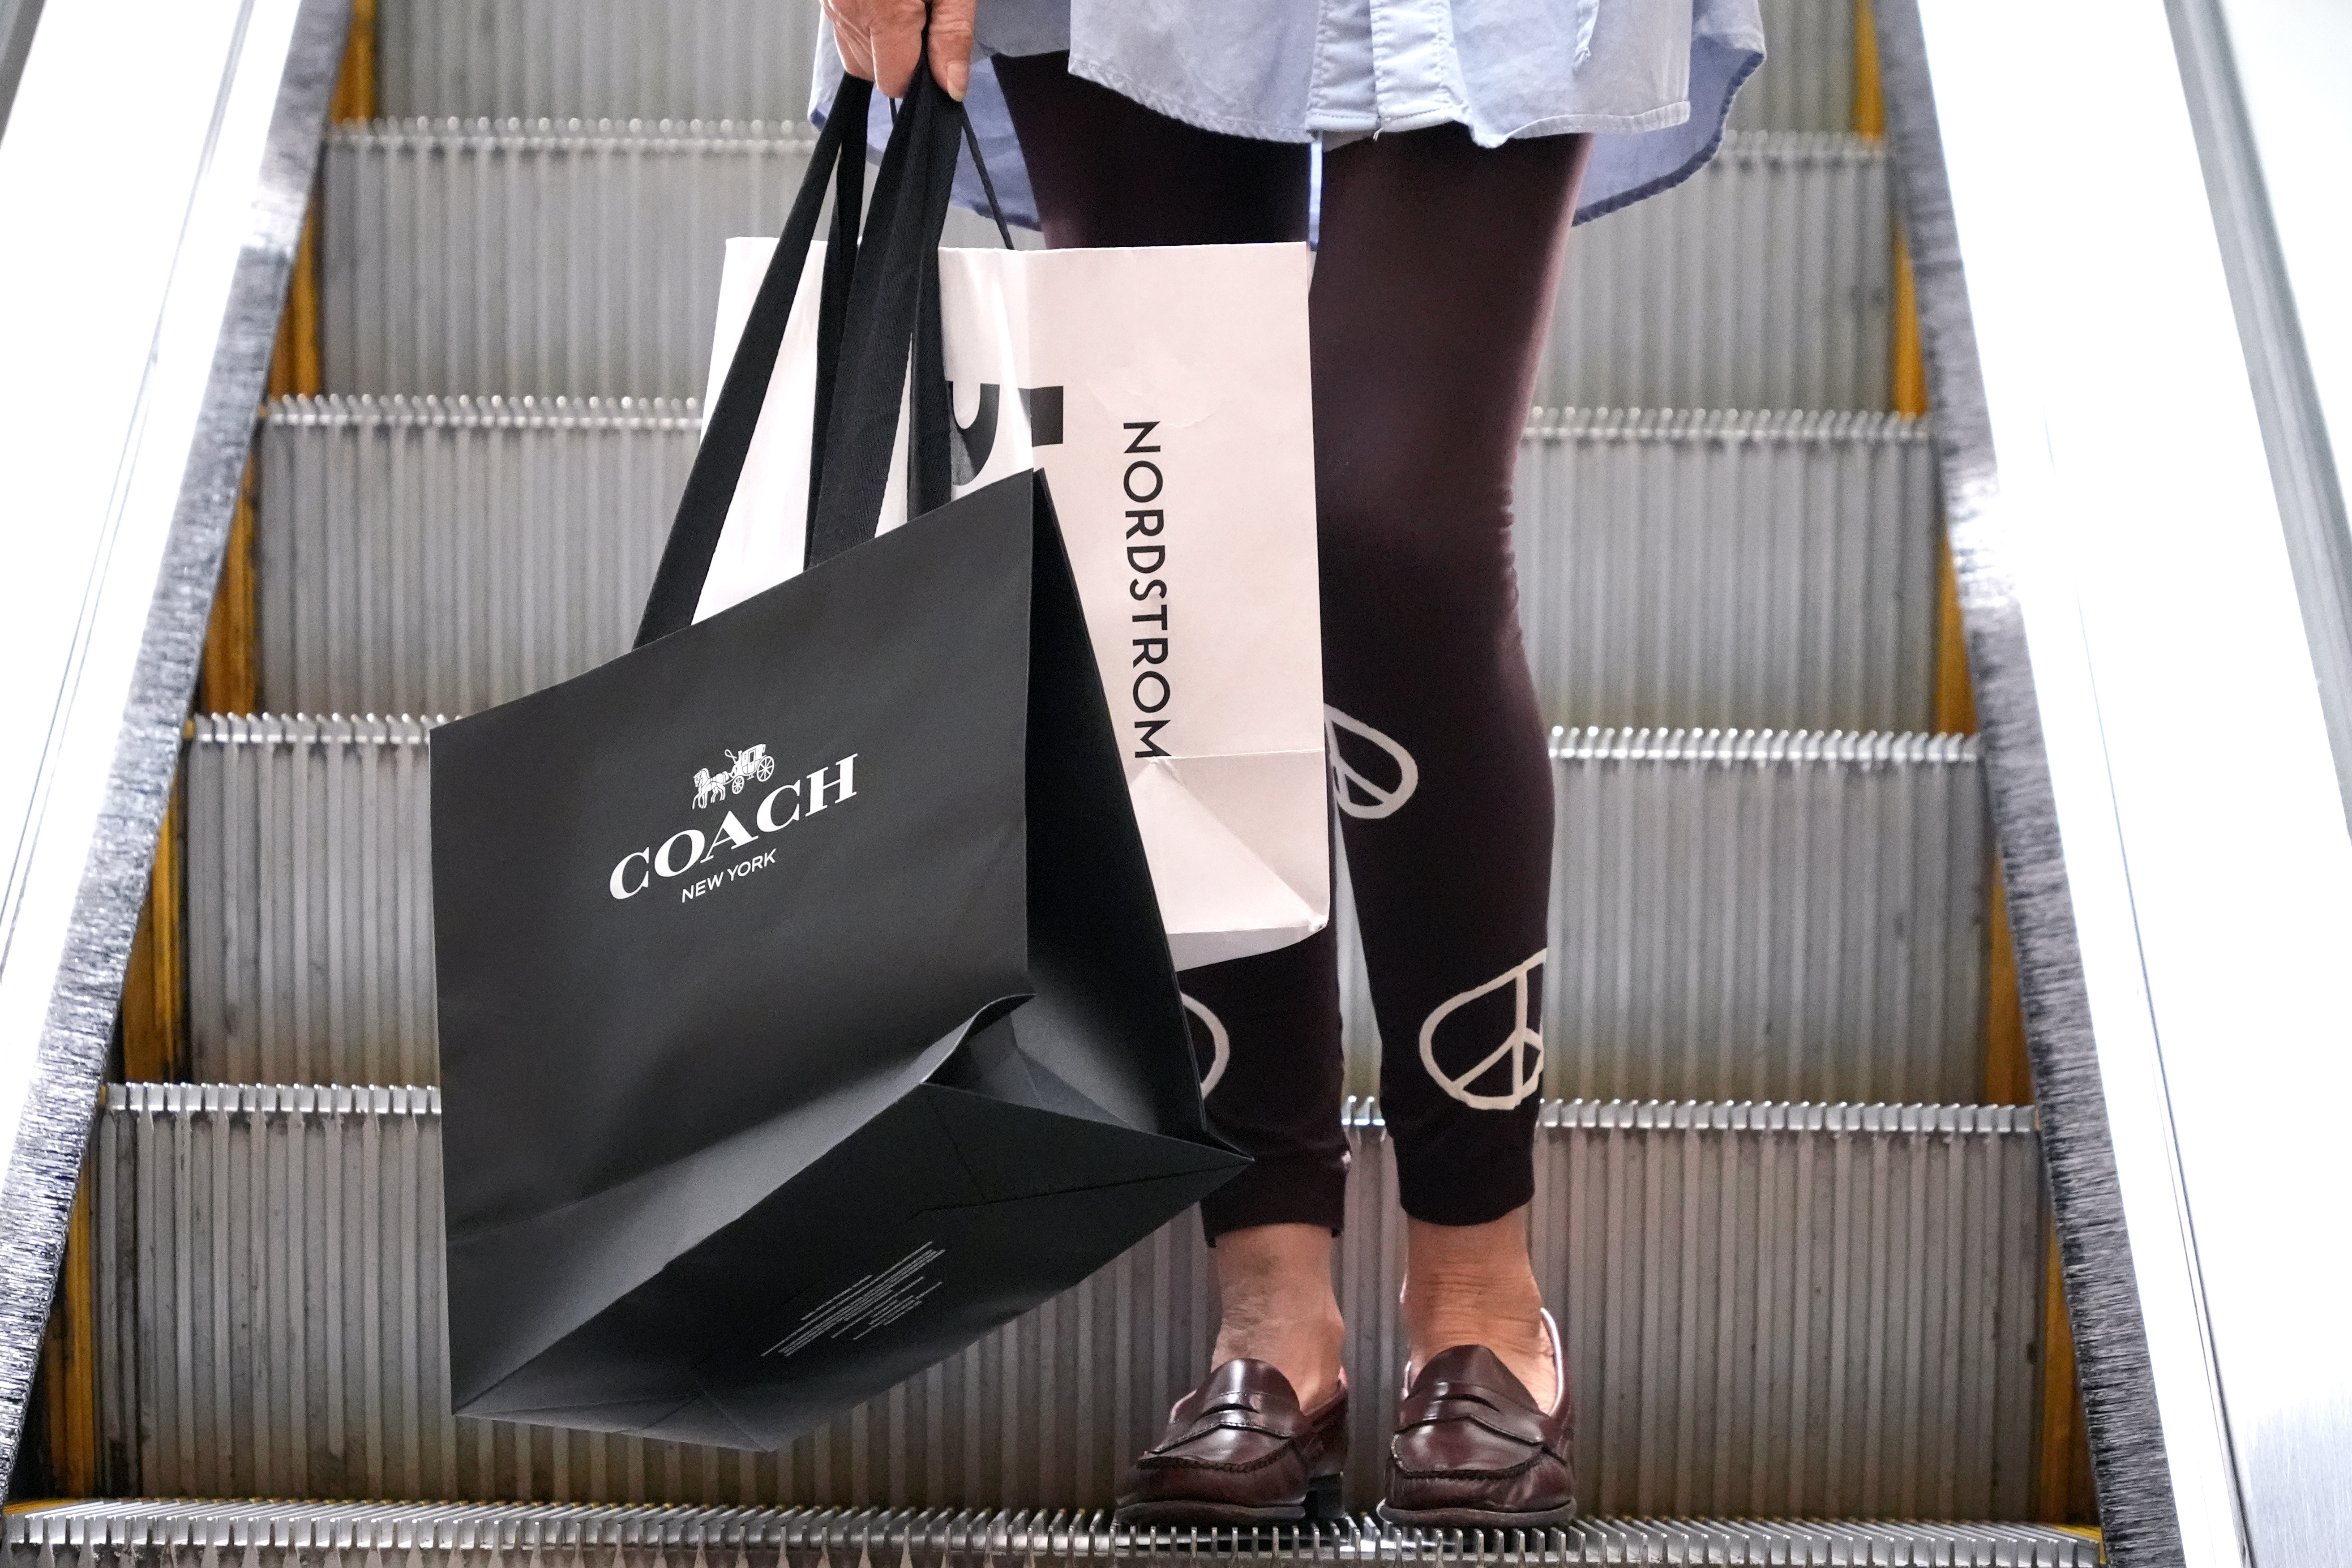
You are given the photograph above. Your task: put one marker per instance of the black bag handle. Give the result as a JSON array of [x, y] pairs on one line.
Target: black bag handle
[[887, 324], [719, 462], [879, 291]]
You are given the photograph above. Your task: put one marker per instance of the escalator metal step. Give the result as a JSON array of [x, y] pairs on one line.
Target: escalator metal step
[[1765, 281], [1777, 916], [420, 555], [1809, 1310], [538, 256], [623, 59], [1806, 83], [749, 59], [443, 555], [1770, 916], [573, 257], [179, 1534], [1765, 570]]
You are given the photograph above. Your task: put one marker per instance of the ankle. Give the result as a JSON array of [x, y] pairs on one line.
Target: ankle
[[1473, 1284], [1275, 1304]]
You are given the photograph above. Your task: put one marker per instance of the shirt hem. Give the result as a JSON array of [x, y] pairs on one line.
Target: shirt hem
[[1337, 131], [1102, 74]]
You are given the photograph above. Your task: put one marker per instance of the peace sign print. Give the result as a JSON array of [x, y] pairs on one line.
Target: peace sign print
[[1358, 795], [1518, 1060], [1221, 1044]]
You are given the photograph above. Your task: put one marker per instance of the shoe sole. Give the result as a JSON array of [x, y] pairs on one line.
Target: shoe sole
[[1477, 1517], [1322, 1502]]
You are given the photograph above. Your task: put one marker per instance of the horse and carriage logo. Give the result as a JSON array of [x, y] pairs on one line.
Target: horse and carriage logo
[[751, 765]]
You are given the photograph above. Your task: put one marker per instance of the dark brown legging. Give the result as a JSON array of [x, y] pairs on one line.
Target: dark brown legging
[[1433, 284]]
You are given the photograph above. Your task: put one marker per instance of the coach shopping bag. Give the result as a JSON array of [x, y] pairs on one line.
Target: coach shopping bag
[[1165, 393], [805, 1012]]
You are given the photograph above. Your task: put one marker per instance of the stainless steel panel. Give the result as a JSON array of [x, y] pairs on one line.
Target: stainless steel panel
[[2181, 914], [1775, 915], [1810, 1309], [623, 59], [439, 556], [314, 1535], [581, 258], [310, 902], [1773, 570], [1764, 281], [544, 257], [1806, 83], [1783, 915], [146, 262], [431, 555]]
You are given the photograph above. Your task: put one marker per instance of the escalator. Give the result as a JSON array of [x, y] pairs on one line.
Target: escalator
[[1803, 1268]]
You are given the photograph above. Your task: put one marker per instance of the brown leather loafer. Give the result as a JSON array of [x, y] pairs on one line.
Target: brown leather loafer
[[1239, 1451], [1474, 1451]]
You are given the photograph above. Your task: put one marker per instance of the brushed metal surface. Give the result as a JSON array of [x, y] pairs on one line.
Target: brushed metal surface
[[1757, 569], [2181, 915], [749, 59], [1754, 570], [136, 351], [442, 555], [583, 258], [620, 60], [1806, 83], [311, 1535], [1764, 281], [1768, 1309], [1734, 914]]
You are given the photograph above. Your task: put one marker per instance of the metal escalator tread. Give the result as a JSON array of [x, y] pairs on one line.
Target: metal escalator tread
[[313, 1535], [1824, 1310], [1763, 569], [1773, 915], [1808, 1309], [553, 257]]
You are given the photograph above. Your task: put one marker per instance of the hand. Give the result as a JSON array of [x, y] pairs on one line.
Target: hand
[[880, 39]]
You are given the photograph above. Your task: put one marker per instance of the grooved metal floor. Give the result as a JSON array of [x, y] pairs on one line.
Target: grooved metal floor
[[299, 1535], [1771, 1308], [1801, 1310]]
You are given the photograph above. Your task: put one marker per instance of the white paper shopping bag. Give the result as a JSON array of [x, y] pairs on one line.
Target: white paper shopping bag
[[1165, 394]]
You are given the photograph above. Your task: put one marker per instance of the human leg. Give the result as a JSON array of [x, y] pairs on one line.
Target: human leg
[[1433, 289], [1107, 172]]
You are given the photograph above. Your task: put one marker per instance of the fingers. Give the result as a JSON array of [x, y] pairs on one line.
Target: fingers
[[851, 37], [952, 45], [881, 40], [895, 29]]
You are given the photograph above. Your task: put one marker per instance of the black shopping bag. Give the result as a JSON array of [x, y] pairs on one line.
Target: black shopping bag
[[804, 1008]]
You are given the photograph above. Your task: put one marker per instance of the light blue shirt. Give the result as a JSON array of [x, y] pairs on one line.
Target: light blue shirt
[[1651, 79]]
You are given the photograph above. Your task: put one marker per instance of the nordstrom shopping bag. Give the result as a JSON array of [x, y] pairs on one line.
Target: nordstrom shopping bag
[[805, 1012], [1165, 393]]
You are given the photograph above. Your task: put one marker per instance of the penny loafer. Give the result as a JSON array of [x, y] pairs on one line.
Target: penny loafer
[[1474, 1451], [1239, 1451]]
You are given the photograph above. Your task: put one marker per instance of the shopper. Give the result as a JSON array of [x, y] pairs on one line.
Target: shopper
[[1456, 140]]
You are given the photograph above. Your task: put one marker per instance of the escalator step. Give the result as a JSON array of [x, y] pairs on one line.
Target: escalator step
[[1809, 1310], [443, 555], [749, 59], [174, 1534], [575, 258], [422, 556], [1765, 281], [1806, 83], [1777, 916], [1770, 569], [649, 59], [1769, 916]]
